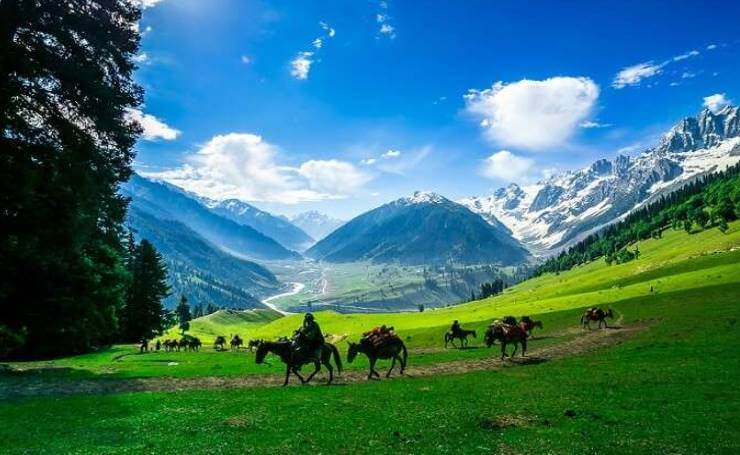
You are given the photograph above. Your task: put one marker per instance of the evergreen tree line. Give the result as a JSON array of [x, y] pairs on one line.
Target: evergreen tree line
[[495, 287], [69, 280], [709, 201]]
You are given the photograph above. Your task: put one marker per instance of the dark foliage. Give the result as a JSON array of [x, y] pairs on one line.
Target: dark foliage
[[66, 141]]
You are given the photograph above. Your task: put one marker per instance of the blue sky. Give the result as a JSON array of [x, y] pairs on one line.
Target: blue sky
[[340, 106]]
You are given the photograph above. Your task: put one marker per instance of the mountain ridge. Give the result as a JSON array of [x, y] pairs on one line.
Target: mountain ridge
[[425, 228], [563, 208]]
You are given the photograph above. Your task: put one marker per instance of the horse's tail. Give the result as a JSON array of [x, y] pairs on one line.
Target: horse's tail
[[405, 352], [337, 357]]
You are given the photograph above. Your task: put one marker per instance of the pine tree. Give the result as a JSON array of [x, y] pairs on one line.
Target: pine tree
[[142, 315], [183, 314], [66, 143]]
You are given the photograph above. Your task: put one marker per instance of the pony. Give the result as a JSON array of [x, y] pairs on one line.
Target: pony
[[596, 314], [527, 324], [295, 360], [462, 335], [194, 344], [392, 349], [219, 343], [236, 342], [509, 334]]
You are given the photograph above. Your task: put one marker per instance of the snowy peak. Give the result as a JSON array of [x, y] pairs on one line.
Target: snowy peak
[[565, 207], [316, 224], [423, 197], [708, 129]]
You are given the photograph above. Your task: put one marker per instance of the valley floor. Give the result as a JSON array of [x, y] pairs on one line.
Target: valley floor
[[665, 381]]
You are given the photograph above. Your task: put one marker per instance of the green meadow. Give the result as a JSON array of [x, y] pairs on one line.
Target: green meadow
[[669, 386]]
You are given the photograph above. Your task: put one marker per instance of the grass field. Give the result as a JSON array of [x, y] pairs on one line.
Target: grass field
[[670, 387]]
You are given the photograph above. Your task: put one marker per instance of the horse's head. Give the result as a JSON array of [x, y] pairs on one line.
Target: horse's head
[[262, 350], [537, 324], [354, 348], [610, 313]]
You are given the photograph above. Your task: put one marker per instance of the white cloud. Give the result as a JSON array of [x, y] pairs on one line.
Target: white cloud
[[633, 75], [592, 124], [153, 127], [317, 43], [141, 59], [505, 165], [716, 102], [368, 161], [245, 167], [332, 176], [711, 47], [330, 32], [533, 114], [387, 29], [689, 54], [383, 19], [245, 59], [687, 75], [147, 3], [391, 154], [301, 65]]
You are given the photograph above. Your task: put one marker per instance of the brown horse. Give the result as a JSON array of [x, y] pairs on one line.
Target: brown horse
[[528, 324], [295, 360], [507, 334], [391, 349], [596, 314]]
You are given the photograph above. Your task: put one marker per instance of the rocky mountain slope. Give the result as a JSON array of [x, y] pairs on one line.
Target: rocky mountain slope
[[563, 208]]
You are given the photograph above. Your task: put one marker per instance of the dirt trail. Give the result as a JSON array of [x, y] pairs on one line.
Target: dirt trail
[[588, 341]]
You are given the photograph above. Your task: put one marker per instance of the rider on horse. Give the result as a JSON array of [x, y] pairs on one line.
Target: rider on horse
[[455, 329], [308, 338]]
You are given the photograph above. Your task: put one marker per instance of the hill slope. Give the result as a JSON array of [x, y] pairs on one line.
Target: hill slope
[[167, 202], [423, 229], [285, 232], [202, 272]]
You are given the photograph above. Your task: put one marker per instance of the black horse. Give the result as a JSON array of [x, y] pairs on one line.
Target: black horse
[[461, 334], [295, 360], [390, 350]]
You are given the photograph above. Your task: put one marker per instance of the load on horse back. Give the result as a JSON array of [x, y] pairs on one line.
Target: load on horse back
[[506, 334], [458, 332], [236, 342], [307, 346], [596, 314], [380, 343], [527, 324]]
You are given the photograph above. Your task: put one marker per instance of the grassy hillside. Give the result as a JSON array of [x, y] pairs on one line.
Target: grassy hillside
[[670, 388], [676, 262]]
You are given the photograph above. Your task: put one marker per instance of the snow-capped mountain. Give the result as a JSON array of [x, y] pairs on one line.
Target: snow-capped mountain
[[425, 228], [278, 228], [565, 207], [316, 224]]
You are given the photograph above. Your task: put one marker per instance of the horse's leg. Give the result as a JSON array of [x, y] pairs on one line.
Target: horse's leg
[[503, 350], [287, 374], [393, 364], [317, 367], [327, 363], [516, 347], [372, 369], [524, 347]]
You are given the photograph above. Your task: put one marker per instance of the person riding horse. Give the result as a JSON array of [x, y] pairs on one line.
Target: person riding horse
[[308, 338], [455, 329]]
